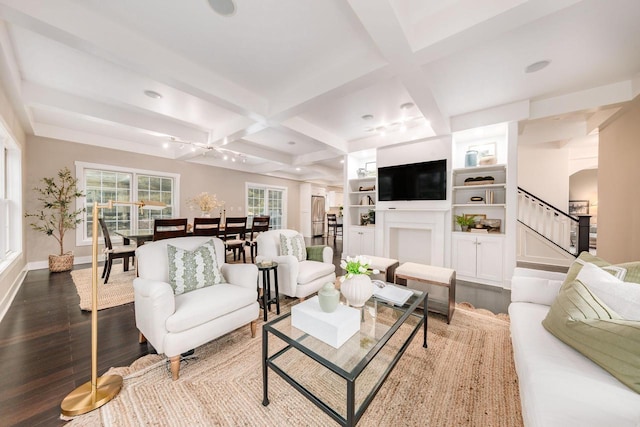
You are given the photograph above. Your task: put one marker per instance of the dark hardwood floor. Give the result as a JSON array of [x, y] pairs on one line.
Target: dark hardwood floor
[[45, 346]]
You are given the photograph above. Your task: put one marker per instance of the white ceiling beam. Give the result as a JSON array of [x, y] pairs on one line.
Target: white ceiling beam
[[379, 19], [599, 117], [303, 127], [81, 29], [34, 94], [255, 150], [513, 112], [477, 32], [589, 99], [316, 156], [558, 132], [10, 75], [82, 137]]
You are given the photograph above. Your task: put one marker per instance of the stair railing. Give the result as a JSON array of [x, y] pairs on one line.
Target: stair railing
[[568, 232]]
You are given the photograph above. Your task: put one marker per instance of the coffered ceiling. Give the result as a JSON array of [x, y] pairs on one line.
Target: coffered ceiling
[[281, 86]]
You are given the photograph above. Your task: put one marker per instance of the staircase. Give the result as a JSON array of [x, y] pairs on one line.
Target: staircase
[[547, 235]]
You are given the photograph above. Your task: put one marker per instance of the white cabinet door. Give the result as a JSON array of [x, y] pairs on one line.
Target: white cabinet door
[[478, 257], [489, 258], [464, 254], [361, 241]]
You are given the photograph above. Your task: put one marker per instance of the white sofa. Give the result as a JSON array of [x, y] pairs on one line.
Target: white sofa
[[175, 324], [558, 385], [297, 279]]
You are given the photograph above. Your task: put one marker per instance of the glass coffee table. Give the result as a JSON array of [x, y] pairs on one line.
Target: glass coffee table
[[343, 381]]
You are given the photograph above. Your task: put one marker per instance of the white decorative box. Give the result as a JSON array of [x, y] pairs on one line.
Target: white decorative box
[[332, 328]]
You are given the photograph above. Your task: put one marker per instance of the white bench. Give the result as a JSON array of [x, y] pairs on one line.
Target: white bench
[[386, 266], [429, 275]]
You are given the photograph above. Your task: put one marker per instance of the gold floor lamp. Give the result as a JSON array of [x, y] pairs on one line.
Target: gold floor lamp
[[100, 390]]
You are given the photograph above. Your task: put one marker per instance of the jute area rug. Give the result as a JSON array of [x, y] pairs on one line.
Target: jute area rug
[[465, 378], [117, 291]]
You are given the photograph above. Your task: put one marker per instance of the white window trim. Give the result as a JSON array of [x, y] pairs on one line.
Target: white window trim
[[82, 201], [12, 198], [285, 196]]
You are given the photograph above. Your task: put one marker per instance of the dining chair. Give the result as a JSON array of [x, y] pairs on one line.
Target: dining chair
[[168, 228], [235, 229], [111, 252], [259, 225], [206, 227], [332, 224]]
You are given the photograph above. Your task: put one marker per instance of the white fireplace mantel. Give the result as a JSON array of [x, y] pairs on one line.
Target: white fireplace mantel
[[415, 235]]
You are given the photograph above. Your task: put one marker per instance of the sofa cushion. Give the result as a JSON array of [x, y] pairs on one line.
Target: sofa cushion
[[293, 245], [560, 387], [196, 308], [629, 271], [191, 270], [580, 319], [621, 297], [312, 270], [536, 290]]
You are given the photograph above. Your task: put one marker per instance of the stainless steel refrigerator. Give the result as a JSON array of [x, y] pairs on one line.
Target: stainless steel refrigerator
[[317, 216]]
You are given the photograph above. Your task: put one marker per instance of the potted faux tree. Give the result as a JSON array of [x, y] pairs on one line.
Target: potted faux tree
[[465, 222], [56, 214]]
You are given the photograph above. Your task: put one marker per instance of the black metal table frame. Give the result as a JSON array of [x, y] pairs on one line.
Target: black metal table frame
[[352, 416]]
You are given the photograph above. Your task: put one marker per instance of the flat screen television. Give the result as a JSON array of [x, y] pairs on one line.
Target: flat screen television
[[415, 181]]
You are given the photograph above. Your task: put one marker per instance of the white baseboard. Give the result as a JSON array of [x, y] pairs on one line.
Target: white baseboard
[[13, 290]]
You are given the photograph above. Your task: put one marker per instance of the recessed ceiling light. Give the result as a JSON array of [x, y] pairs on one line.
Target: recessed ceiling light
[[536, 66], [298, 169], [153, 94], [223, 7], [407, 105], [367, 117], [341, 160]]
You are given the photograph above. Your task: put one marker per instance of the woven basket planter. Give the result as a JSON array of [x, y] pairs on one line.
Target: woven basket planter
[[58, 263]]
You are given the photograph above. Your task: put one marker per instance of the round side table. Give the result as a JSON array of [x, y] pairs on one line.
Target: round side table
[[267, 298]]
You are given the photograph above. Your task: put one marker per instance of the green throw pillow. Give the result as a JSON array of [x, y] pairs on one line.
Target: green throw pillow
[[314, 253], [293, 246], [581, 320], [628, 271], [191, 270]]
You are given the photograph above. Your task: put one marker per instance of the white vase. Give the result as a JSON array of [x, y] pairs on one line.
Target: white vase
[[205, 214], [357, 290]]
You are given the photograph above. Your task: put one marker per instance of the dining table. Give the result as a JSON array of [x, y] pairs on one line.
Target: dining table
[[141, 236]]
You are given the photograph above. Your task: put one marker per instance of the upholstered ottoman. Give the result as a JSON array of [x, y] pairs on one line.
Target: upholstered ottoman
[[387, 267], [429, 275]]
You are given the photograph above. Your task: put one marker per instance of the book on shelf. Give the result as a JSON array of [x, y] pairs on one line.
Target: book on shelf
[[479, 230]]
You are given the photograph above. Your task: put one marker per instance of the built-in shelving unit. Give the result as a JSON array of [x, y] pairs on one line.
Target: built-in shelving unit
[[493, 193], [362, 199]]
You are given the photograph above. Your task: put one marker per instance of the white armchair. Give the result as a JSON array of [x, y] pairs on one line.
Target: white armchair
[[175, 324], [297, 279]]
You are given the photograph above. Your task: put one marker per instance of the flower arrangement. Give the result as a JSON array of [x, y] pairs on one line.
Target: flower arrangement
[[204, 201], [356, 265]]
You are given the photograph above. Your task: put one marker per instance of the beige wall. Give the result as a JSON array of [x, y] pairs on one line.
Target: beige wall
[[46, 156], [543, 170], [619, 187], [11, 278], [583, 185]]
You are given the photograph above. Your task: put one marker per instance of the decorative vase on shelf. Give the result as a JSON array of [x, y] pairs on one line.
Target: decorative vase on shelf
[[328, 297], [205, 214], [357, 289]]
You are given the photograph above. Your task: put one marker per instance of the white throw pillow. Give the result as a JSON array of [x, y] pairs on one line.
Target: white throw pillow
[[621, 297], [293, 246], [536, 290]]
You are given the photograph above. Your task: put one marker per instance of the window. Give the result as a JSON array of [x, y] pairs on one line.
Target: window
[[102, 183], [10, 198], [263, 200]]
